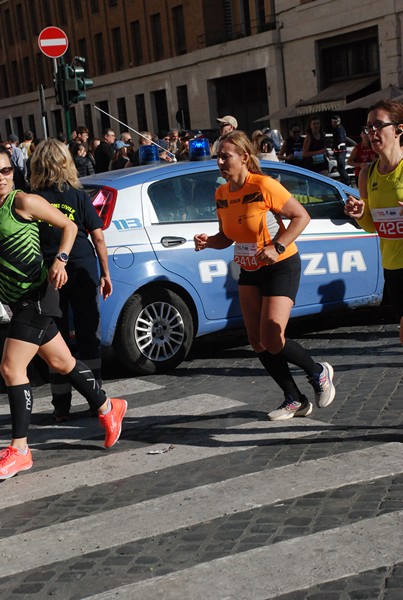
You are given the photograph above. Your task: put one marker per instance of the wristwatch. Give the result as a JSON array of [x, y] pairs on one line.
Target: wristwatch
[[280, 248], [62, 256]]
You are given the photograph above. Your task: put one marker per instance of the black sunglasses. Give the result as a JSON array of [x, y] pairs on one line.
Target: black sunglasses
[[6, 170]]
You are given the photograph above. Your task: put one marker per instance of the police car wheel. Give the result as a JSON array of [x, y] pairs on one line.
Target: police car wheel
[[155, 332]]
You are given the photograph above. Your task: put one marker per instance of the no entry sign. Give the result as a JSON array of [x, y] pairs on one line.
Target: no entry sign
[[53, 42]]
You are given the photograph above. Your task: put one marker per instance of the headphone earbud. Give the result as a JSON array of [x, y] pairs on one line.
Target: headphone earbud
[[399, 131]]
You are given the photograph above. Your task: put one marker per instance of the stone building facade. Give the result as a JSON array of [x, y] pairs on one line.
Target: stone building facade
[[158, 64]]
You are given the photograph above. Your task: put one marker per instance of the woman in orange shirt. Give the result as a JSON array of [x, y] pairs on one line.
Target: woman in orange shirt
[[250, 207]]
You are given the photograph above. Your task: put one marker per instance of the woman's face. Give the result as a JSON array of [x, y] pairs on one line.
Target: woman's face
[[6, 176], [386, 137], [229, 161], [315, 125]]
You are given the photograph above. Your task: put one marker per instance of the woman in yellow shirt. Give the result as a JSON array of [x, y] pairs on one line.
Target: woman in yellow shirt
[[380, 207]]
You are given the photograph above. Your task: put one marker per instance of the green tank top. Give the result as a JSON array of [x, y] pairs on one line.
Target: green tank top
[[22, 268]]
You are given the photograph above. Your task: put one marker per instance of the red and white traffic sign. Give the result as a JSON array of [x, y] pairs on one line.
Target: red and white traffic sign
[[53, 42]]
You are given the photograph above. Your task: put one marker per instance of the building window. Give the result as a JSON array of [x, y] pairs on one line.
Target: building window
[[94, 6], [34, 18], [104, 119], [16, 77], [161, 110], [19, 127], [9, 28], [27, 74], [100, 54], [117, 47], [349, 56], [4, 87], [88, 119], [113, 2], [46, 10], [182, 116], [57, 121], [62, 12], [137, 46], [73, 118], [82, 50], [78, 9], [39, 68], [9, 128], [157, 36], [122, 113], [141, 112], [21, 22], [31, 124], [179, 30]]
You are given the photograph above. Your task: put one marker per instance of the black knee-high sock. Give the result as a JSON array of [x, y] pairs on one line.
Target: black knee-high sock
[[20, 399], [295, 354], [276, 365], [82, 378]]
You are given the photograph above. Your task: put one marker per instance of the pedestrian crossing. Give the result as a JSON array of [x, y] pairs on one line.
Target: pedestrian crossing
[[72, 557]]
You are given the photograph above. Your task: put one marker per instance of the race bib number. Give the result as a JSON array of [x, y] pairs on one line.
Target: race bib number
[[244, 256], [318, 158], [388, 222]]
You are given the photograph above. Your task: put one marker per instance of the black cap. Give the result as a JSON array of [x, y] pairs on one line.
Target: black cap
[[335, 118]]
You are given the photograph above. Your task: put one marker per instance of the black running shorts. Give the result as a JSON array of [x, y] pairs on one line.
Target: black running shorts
[[394, 289], [32, 319], [280, 279]]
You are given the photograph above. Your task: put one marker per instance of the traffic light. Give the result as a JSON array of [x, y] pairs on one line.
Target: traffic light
[[75, 81], [58, 82]]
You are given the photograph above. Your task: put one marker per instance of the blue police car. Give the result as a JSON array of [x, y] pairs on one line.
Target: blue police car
[[166, 294]]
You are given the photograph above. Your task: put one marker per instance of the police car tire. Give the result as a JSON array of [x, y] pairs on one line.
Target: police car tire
[[125, 343]]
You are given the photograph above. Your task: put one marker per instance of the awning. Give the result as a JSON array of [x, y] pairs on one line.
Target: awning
[[288, 112], [334, 97], [390, 93]]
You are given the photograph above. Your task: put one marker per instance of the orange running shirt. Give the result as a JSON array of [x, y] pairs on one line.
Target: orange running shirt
[[251, 217]]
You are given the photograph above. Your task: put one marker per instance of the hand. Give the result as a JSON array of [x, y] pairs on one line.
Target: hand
[[267, 255], [105, 286], [354, 208], [57, 275], [200, 240]]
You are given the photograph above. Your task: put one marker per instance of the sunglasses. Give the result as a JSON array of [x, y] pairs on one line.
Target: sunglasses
[[6, 171]]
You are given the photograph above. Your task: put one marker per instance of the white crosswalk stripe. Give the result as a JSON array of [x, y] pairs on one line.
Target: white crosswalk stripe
[[366, 544]]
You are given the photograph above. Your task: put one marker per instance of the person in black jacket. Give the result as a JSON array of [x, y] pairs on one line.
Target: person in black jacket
[[104, 153], [83, 164], [54, 177], [340, 148]]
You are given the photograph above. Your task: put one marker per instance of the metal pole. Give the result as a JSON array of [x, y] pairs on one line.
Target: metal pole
[[66, 106], [43, 110]]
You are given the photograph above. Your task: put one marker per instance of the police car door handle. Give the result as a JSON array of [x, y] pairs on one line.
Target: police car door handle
[[169, 241]]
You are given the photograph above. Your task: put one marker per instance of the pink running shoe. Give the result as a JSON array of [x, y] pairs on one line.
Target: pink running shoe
[[12, 462], [112, 421]]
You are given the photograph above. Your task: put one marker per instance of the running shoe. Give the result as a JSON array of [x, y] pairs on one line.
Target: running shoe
[[112, 421], [322, 384], [291, 408], [12, 462]]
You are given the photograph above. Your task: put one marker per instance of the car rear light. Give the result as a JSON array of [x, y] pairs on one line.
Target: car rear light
[[104, 201]]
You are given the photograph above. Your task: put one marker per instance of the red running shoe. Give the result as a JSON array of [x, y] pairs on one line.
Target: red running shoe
[[112, 421], [12, 461]]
